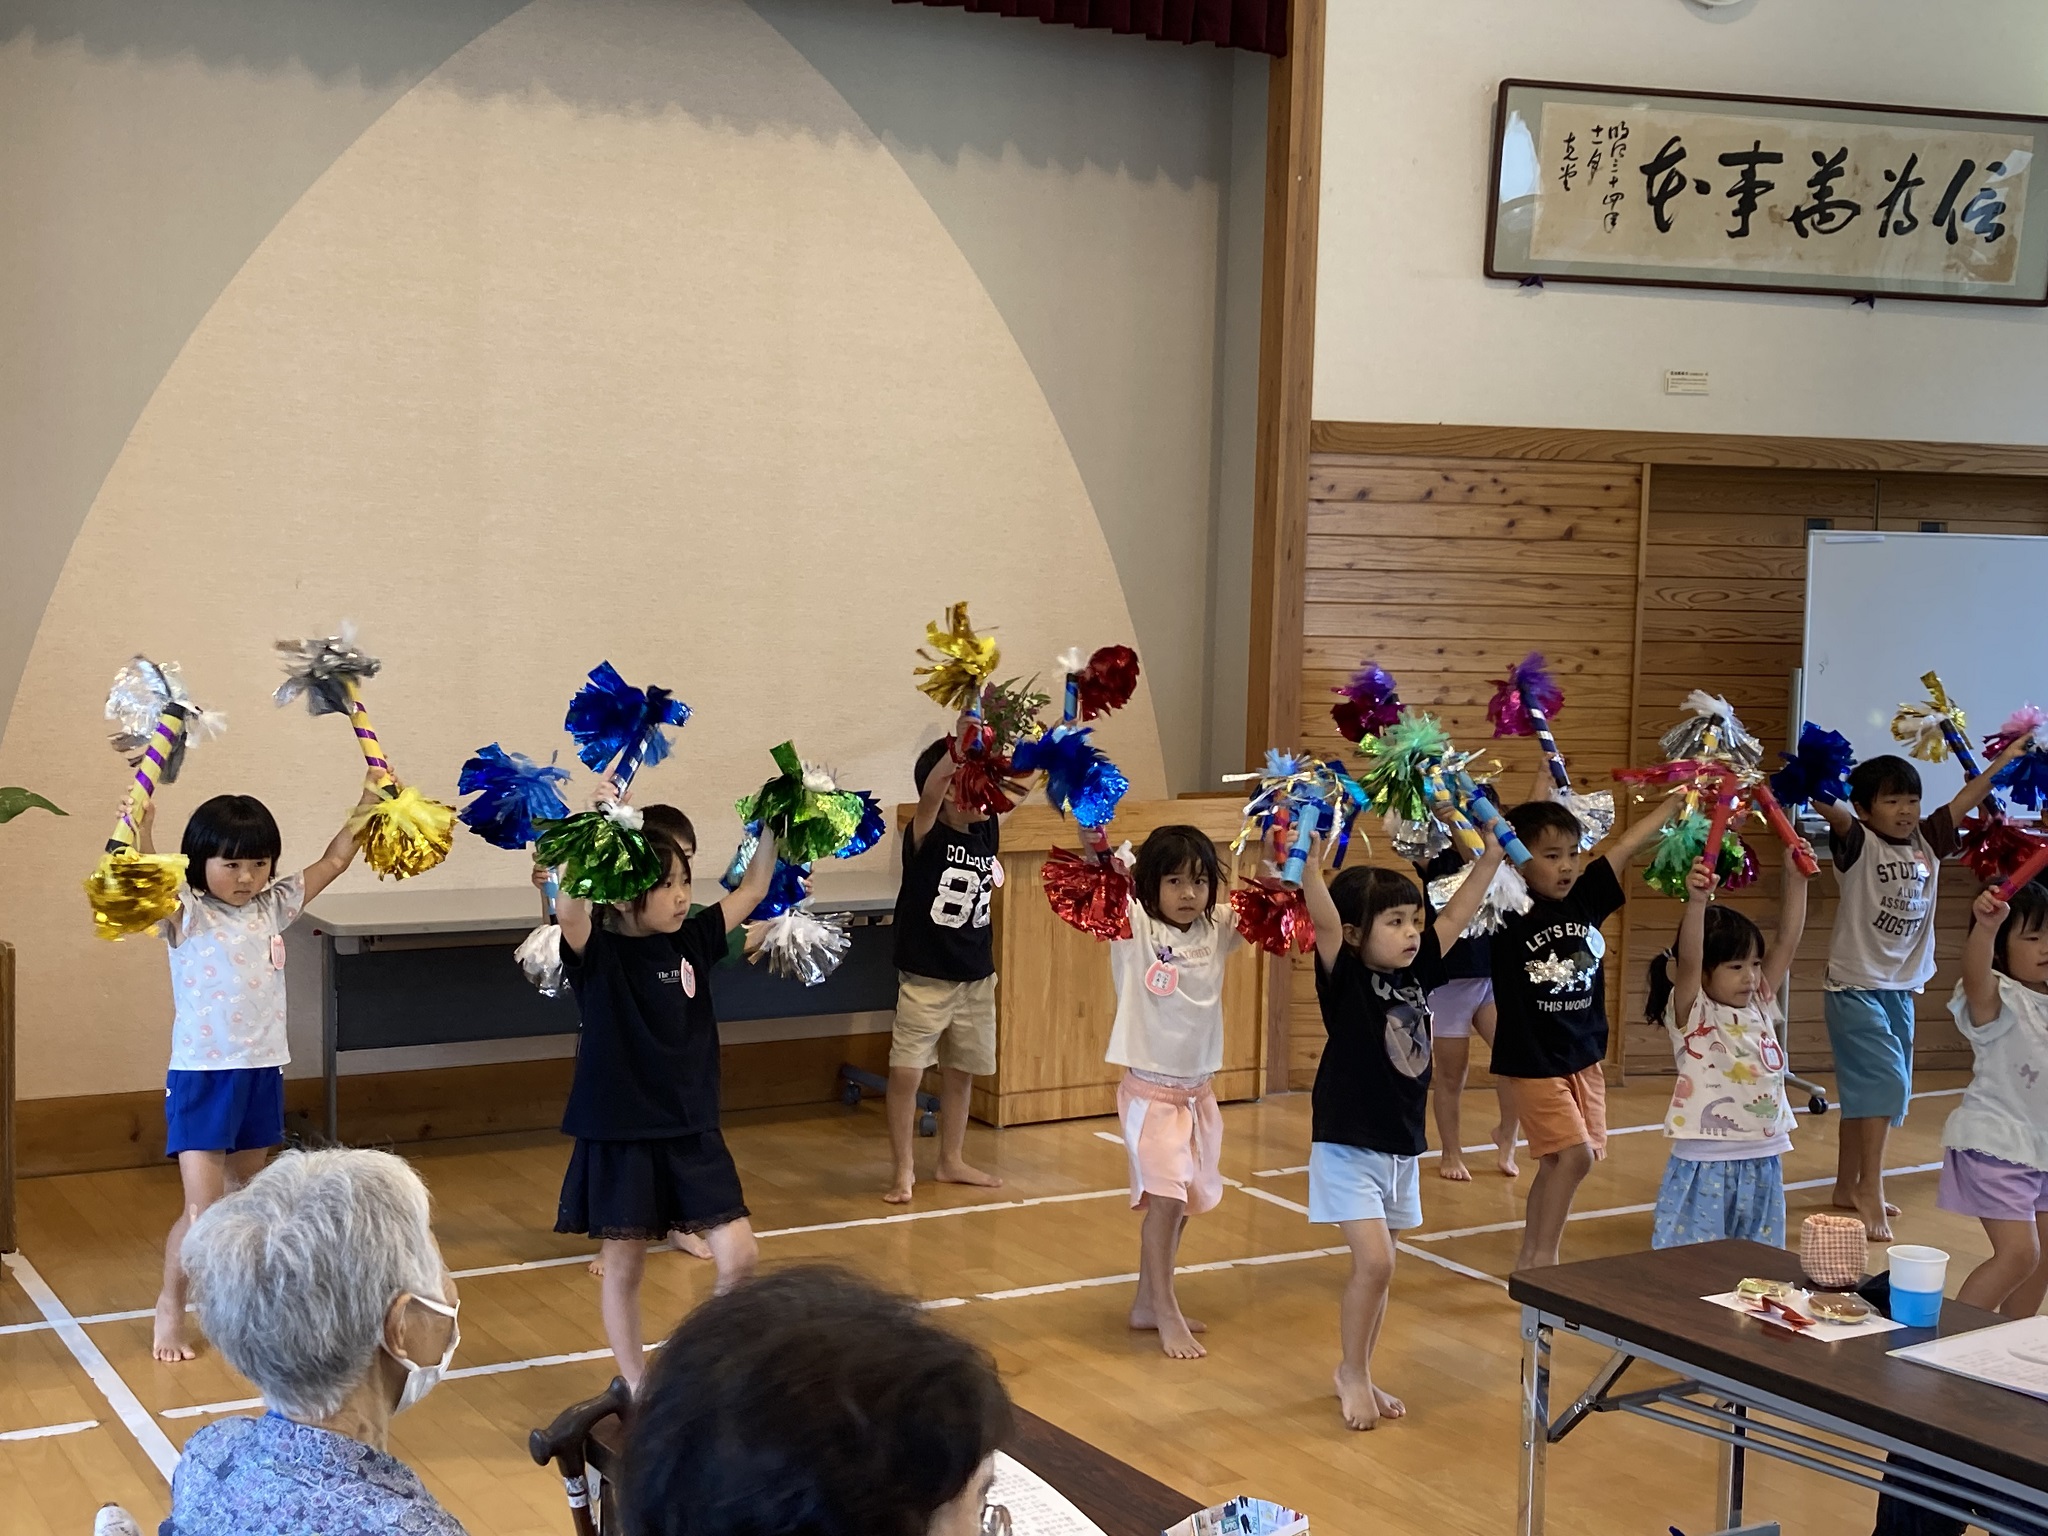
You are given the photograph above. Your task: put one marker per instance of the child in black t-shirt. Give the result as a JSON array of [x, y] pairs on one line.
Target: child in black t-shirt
[[945, 972], [643, 1105], [1550, 997], [1377, 957]]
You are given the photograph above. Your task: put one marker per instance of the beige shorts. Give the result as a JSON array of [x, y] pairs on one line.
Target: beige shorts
[[950, 1024]]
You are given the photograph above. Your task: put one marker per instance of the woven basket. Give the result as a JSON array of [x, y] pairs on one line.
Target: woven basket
[[1833, 1250]]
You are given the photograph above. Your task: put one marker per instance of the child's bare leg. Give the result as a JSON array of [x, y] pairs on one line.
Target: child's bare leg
[[1446, 1094], [1158, 1246], [956, 1089], [1852, 1150], [1142, 1314], [625, 1261], [1363, 1310], [1558, 1177], [735, 1250], [1870, 1134], [904, 1083], [1504, 1133], [2026, 1299], [2015, 1254], [203, 1178]]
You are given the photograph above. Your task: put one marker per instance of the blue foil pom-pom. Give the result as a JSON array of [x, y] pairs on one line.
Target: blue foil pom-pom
[[512, 793]]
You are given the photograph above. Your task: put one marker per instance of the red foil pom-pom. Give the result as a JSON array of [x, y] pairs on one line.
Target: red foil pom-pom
[[1273, 916], [1107, 682], [984, 784], [1993, 847], [1093, 895]]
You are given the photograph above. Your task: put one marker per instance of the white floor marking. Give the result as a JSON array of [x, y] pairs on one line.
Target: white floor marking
[[44, 1325], [1451, 1264], [127, 1407], [1111, 1137], [48, 1430]]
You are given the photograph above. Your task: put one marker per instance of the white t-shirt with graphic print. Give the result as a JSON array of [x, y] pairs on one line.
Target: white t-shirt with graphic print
[[227, 978], [1169, 995]]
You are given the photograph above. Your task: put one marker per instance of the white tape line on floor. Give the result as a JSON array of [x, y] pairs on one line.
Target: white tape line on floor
[[127, 1407], [49, 1431]]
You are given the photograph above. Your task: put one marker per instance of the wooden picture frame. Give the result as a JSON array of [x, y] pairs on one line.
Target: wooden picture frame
[[1779, 194]]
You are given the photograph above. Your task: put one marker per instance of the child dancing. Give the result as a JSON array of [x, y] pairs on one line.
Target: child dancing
[[224, 1093], [1168, 1038], [1729, 1121], [1994, 1160]]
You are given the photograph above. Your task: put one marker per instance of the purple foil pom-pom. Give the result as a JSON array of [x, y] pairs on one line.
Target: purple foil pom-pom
[[1528, 687], [1371, 702]]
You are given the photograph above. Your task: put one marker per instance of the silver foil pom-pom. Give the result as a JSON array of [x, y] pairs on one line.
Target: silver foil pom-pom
[[1711, 730], [803, 945], [540, 957], [1595, 813], [1507, 896], [142, 689], [320, 668], [1417, 841]]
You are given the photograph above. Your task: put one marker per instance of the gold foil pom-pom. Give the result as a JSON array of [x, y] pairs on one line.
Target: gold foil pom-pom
[[132, 892], [403, 836]]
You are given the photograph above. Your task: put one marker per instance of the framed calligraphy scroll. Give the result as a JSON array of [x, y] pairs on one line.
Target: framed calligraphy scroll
[[1604, 184]]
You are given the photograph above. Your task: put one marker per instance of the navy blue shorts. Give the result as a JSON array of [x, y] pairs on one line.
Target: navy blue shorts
[[238, 1109]]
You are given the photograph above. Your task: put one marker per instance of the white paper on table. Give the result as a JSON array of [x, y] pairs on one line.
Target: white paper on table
[[1243, 1516], [1827, 1333], [1036, 1507], [2011, 1355]]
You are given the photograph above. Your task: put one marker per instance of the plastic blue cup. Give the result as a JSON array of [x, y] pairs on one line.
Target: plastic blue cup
[[1918, 1275]]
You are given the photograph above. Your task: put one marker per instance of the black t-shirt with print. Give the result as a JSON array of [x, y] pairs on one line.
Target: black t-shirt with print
[[942, 916], [1372, 1087], [1548, 983], [647, 1063]]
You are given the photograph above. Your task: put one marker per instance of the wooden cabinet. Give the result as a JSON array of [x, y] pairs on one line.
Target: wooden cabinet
[[1054, 1003]]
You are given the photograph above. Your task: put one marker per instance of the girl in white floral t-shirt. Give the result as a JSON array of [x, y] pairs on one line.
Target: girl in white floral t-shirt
[[224, 1093]]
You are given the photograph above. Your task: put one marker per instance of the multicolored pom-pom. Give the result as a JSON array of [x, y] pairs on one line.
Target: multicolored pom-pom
[[1682, 842], [1526, 692], [1399, 762], [1371, 702], [1711, 730], [513, 793], [811, 816]]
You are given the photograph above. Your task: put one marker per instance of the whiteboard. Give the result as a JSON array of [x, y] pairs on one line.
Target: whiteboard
[[1882, 608]]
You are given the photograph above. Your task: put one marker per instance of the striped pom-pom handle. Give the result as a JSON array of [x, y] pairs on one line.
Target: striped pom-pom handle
[[1548, 742], [1959, 744], [1462, 830], [366, 738], [149, 771]]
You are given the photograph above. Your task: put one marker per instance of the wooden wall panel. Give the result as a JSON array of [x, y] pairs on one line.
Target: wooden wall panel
[[1446, 572]]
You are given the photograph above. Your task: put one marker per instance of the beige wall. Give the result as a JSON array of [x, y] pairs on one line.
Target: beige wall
[[619, 334]]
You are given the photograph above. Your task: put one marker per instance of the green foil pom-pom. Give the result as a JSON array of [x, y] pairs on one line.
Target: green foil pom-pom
[[601, 857], [1682, 843]]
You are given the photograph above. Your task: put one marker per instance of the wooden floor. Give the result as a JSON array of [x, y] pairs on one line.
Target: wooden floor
[[1039, 1273]]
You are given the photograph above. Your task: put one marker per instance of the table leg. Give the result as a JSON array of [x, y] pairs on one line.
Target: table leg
[[330, 1030], [1535, 1423], [1728, 1495]]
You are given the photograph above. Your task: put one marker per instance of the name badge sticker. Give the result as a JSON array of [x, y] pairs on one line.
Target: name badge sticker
[[1162, 980]]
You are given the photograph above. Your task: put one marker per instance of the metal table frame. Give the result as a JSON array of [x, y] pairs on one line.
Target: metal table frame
[[1724, 1409]]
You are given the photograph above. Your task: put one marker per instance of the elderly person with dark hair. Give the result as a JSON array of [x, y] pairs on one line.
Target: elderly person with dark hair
[[808, 1403], [321, 1282]]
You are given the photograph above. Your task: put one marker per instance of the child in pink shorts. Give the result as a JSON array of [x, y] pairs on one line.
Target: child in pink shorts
[[1168, 1038], [1994, 1161]]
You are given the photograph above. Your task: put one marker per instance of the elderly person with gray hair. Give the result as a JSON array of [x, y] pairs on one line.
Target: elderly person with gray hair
[[321, 1282]]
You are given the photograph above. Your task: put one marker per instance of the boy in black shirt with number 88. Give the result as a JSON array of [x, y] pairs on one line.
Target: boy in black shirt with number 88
[[1377, 957]]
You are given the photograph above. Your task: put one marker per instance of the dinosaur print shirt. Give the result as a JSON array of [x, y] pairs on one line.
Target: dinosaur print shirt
[[1729, 1100]]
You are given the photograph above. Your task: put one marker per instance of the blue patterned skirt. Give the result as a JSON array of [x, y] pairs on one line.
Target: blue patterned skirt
[[1703, 1202]]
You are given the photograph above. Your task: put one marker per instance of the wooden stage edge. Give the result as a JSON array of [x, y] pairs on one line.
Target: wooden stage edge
[[95, 1132]]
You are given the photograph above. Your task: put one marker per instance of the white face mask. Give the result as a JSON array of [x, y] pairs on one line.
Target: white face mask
[[422, 1379]]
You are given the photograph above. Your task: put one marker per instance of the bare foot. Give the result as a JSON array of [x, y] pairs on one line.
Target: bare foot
[[1177, 1339], [691, 1243], [1850, 1205], [1141, 1317], [1454, 1169], [1504, 1153], [1877, 1220], [1358, 1399], [596, 1268], [1391, 1407], [899, 1192], [169, 1345], [960, 1173]]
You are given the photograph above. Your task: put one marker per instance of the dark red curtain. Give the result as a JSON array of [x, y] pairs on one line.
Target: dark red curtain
[[1260, 25]]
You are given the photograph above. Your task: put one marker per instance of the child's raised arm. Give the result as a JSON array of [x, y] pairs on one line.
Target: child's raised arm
[[1692, 935], [1837, 815], [1974, 791], [1463, 906], [1791, 919], [753, 886], [937, 785], [572, 913], [1624, 845], [1322, 911], [341, 852], [1980, 980]]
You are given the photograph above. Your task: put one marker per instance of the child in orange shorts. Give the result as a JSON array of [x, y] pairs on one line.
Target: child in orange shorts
[[1549, 991]]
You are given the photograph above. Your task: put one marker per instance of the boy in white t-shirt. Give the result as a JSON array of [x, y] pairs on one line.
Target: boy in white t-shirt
[[1168, 1038]]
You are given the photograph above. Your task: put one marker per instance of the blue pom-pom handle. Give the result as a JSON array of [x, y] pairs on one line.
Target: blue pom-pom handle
[[1487, 815]]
